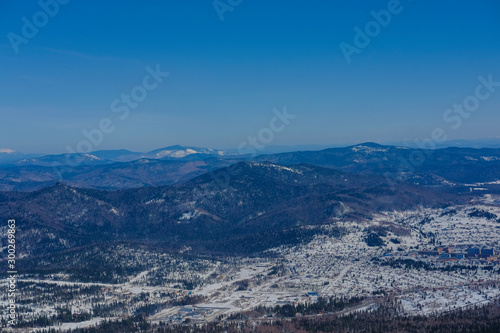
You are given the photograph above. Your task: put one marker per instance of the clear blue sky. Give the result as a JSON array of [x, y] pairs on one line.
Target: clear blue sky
[[227, 76]]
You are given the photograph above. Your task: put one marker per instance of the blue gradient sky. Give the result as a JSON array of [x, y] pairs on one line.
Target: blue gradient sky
[[227, 76]]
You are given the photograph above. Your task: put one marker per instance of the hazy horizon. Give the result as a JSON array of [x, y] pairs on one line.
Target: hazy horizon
[[415, 143]]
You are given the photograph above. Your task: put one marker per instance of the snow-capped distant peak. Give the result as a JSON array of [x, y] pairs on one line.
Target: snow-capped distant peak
[[92, 157], [181, 151], [178, 153], [368, 149], [7, 150]]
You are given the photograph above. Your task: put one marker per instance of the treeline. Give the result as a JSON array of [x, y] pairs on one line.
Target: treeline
[[322, 305], [129, 325], [104, 263], [419, 264], [384, 319]]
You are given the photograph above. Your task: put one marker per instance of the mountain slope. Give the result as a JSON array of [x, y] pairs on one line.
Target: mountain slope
[[258, 206]]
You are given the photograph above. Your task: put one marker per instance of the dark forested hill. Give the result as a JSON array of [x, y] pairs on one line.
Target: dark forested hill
[[247, 207]]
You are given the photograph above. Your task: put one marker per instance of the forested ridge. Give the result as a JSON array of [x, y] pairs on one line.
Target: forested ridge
[[385, 319]]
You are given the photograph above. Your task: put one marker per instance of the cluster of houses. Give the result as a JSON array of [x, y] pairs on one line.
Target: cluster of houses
[[483, 255]]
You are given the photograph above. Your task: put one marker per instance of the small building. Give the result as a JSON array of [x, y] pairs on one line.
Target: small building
[[428, 253], [473, 251], [186, 309], [487, 252], [445, 255]]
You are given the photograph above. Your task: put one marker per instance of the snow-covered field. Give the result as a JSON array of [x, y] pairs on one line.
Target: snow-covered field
[[326, 266]]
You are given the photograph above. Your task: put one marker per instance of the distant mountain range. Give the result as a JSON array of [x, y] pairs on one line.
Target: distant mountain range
[[109, 169], [212, 201], [446, 166], [122, 169], [9, 157], [101, 157]]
